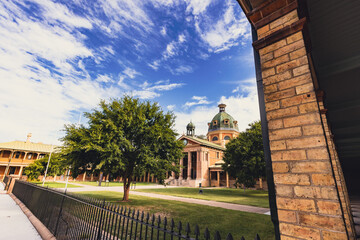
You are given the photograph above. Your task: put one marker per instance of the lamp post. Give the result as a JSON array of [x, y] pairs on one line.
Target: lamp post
[[47, 166], [67, 178]]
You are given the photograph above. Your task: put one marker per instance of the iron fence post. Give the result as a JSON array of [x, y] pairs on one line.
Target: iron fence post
[[100, 221], [60, 212]]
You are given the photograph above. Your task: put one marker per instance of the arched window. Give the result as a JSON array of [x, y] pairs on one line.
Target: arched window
[[226, 138], [215, 138]]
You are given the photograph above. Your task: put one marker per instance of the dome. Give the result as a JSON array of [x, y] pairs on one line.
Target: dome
[[190, 129], [223, 121], [190, 126]]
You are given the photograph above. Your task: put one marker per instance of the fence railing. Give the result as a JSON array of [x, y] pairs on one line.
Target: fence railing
[[70, 216]]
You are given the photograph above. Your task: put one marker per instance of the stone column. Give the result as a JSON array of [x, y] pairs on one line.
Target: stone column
[[181, 169], [25, 155], [189, 165], [8, 165], [198, 164], [227, 180], [218, 178], [21, 171], [307, 196], [84, 177]]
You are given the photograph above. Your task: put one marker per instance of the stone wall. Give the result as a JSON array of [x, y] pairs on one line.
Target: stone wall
[[310, 191]]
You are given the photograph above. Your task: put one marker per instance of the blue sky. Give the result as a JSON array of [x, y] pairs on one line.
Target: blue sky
[[59, 58]]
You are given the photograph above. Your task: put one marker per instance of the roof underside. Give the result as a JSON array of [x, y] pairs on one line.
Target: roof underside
[[335, 40], [26, 146]]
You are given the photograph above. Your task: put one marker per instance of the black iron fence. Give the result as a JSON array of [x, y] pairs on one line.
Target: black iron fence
[[70, 216]]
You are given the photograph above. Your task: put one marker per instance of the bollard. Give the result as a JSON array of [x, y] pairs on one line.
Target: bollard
[[200, 189]]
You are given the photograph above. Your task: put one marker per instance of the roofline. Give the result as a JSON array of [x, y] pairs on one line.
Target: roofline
[[24, 150], [210, 146], [218, 129]]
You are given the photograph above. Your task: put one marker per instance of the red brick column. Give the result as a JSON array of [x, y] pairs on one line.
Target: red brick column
[[310, 194]]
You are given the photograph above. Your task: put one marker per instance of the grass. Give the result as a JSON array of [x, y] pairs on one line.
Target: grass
[[256, 198], [113, 184], [225, 221], [56, 185]]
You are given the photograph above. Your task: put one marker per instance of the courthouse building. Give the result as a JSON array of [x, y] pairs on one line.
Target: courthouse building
[[202, 159], [16, 155]]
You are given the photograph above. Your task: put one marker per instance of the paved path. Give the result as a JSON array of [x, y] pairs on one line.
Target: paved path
[[13, 222], [231, 206]]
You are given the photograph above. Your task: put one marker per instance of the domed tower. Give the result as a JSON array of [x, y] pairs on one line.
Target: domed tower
[[222, 127], [190, 129]]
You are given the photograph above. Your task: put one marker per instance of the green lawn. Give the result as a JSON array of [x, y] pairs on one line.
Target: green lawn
[[56, 185], [224, 220], [114, 184], [256, 198]]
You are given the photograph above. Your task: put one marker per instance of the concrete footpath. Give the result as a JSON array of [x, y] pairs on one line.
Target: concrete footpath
[[14, 224], [231, 206]]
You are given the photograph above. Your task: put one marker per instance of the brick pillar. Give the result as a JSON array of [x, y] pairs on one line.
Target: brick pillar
[[307, 194]]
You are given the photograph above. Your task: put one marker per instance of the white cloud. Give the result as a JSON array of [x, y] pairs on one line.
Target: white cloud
[[59, 12], [197, 7], [149, 91], [170, 107], [225, 32], [131, 73], [163, 31], [198, 101], [127, 73], [243, 107], [181, 69], [165, 87], [173, 48], [154, 65], [103, 78], [144, 94], [127, 13], [44, 81]]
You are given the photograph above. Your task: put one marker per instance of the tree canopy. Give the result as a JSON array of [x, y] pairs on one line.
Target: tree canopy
[[244, 156], [56, 166], [124, 137]]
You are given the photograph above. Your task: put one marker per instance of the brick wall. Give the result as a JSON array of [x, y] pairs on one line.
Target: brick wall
[[310, 194]]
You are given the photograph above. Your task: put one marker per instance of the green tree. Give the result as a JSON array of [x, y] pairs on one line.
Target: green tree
[[56, 166], [244, 156], [125, 137]]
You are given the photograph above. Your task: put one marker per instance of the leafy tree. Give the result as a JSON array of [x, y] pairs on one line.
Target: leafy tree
[[56, 166], [202, 136], [244, 156], [125, 137]]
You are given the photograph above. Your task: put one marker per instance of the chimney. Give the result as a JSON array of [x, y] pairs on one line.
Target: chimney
[[222, 107], [28, 137]]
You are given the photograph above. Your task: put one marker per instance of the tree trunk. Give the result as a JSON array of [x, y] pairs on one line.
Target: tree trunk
[[127, 182], [100, 178]]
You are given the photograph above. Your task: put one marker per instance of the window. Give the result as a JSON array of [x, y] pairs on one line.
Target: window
[[12, 170], [226, 138], [17, 155], [226, 121], [217, 154], [215, 138], [215, 122], [41, 156], [29, 156]]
